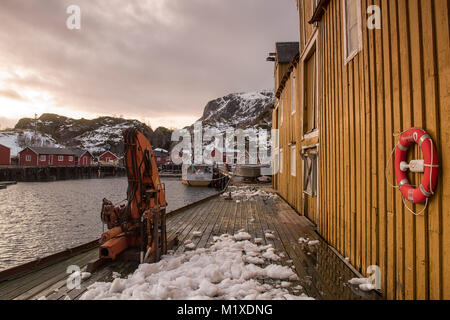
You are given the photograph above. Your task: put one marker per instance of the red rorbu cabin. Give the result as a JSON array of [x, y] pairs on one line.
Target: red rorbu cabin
[[38, 156], [161, 157], [108, 158], [83, 158], [5, 155]]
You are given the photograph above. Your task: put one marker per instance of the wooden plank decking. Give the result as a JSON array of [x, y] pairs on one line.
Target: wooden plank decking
[[322, 274]]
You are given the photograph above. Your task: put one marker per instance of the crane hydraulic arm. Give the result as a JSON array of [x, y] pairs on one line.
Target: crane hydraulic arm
[[141, 223]]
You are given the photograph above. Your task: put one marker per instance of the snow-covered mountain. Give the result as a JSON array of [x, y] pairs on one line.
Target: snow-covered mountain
[[237, 110], [17, 140], [97, 135], [240, 110]]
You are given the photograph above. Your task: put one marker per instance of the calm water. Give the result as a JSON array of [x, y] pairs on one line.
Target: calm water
[[38, 219]]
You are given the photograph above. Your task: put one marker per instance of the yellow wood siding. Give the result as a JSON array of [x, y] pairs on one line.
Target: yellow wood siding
[[399, 80]]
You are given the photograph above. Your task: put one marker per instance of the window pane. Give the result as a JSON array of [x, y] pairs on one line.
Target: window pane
[[281, 160], [293, 161], [310, 167], [293, 94], [309, 115], [352, 26]]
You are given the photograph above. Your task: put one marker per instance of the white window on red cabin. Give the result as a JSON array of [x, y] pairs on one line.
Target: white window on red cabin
[[60, 158], [43, 158], [28, 158], [70, 158]]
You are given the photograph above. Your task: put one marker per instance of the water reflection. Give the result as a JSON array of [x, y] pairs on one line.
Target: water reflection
[[38, 219]]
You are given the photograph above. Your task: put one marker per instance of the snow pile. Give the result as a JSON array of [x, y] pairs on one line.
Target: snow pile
[[309, 243], [227, 270], [363, 284], [242, 236], [244, 193]]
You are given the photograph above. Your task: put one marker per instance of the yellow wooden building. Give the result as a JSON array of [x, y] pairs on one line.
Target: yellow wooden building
[[363, 72]]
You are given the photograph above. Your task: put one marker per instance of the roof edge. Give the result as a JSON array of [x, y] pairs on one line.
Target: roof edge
[[320, 10]]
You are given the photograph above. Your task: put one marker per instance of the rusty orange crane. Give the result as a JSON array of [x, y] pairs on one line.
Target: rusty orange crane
[[140, 223]]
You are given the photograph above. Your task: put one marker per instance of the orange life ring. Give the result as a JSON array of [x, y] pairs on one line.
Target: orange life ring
[[431, 166]]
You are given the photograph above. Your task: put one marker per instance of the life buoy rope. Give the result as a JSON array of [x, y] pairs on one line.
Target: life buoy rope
[[427, 187]]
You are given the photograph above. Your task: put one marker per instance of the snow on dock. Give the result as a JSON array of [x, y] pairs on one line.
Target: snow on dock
[[227, 250], [217, 272]]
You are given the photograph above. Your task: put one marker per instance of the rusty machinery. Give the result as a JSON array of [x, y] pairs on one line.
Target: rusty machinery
[[140, 224]]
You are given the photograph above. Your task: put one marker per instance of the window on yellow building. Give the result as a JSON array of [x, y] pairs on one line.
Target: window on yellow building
[[293, 91], [310, 169], [281, 109], [293, 161], [352, 29], [281, 160], [310, 108]]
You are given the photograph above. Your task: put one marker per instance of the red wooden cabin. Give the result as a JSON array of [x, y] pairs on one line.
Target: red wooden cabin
[[161, 157], [5, 155], [83, 158], [38, 156], [108, 158]]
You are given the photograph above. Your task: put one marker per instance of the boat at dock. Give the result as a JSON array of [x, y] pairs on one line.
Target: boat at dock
[[5, 184], [197, 175]]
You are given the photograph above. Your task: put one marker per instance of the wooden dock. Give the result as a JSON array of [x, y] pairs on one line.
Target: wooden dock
[[323, 275], [55, 173]]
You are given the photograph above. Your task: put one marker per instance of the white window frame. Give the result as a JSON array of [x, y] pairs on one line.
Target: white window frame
[[277, 110], [43, 157], [60, 158], [314, 192], [293, 93], [28, 158], [281, 160], [276, 161], [281, 109], [294, 160], [70, 158], [348, 56]]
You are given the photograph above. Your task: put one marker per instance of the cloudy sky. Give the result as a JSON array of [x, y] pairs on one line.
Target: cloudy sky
[[155, 60]]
